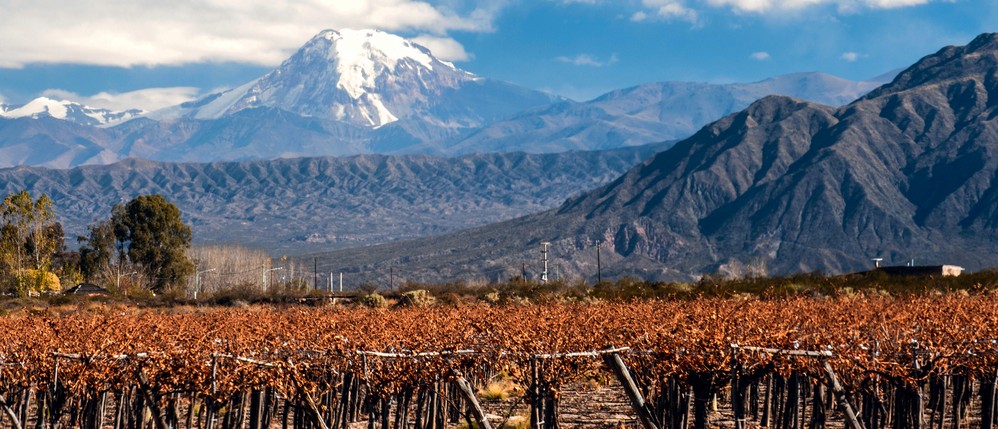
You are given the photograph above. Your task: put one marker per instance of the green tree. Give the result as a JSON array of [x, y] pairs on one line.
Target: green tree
[[153, 236], [29, 236], [97, 250]]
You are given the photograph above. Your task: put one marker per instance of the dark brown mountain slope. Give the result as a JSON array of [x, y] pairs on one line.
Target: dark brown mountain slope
[[909, 171]]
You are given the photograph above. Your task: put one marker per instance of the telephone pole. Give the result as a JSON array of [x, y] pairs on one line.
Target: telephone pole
[[544, 256], [599, 266], [265, 271]]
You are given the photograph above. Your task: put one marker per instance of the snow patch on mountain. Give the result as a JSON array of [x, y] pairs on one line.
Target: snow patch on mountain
[[67, 110], [361, 56], [41, 106]]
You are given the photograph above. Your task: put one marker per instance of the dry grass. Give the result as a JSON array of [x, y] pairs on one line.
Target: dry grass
[[514, 422], [499, 390], [517, 422]]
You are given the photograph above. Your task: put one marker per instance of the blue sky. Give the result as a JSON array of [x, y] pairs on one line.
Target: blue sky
[[145, 53]]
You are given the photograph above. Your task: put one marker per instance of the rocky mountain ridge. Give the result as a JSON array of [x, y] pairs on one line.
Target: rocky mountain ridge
[[291, 206], [351, 92], [656, 111], [906, 172], [44, 107]]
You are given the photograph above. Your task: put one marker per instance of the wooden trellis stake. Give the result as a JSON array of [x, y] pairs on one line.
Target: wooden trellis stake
[[469, 395], [852, 420], [623, 375]]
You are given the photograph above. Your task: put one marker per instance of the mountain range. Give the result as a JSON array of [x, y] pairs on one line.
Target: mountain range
[[291, 206], [353, 92], [44, 107], [908, 171], [652, 112]]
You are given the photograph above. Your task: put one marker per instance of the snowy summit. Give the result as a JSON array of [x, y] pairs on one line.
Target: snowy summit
[[367, 78], [66, 110], [362, 56]]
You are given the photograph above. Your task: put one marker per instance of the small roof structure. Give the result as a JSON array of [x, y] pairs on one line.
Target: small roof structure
[[923, 270], [86, 289]]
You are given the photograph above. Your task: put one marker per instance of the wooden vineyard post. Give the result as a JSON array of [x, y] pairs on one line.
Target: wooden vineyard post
[[918, 410], [544, 404], [988, 385], [469, 395], [214, 371], [256, 406], [151, 402], [100, 410], [620, 370], [536, 402], [767, 408], [313, 408], [852, 420], [737, 398], [843, 398], [16, 422], [3, 401], [702, 384], [818, 407]]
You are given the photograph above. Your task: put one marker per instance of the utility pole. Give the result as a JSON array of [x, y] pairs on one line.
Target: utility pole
[[117, 282], [599, 266], [315, 273], [391, 278], [544, 257], [197, 280], [265, 271]]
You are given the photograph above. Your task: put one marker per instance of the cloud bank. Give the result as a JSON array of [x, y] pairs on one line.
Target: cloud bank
[[445, 48], [145, 99], [152, 32], [687, 10], [667, 10]]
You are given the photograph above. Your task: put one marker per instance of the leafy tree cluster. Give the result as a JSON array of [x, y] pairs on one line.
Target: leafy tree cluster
[[146, 235], [29, 238]]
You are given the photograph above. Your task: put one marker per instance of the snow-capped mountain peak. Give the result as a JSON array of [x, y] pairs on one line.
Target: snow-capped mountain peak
[[361, 56], [67, 110], [41, 106], [367, 78]]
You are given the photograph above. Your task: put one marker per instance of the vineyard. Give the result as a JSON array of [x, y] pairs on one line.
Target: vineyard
[[870, 362]]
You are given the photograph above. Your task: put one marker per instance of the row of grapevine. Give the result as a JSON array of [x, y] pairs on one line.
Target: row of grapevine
[[882, 362]]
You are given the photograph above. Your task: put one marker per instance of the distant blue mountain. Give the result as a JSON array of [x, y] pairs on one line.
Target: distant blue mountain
[[365, 91]]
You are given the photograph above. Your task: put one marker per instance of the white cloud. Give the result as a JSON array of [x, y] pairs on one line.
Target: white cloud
[[153, 32], [767, 5], [445, 48], [849, 56], [687, 9], [891, 4], [145, 99], [588, 60], [678, 11], [842, 5], [760, 56], [668, 10]]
